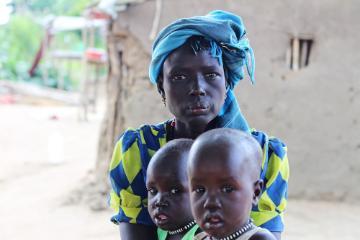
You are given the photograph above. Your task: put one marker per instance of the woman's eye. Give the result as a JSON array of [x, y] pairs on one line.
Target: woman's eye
[[152, 191], [211, 75], [174, 190], [179, 77], [227, 189]]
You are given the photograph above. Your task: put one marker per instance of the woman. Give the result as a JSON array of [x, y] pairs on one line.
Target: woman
[[196, 63]]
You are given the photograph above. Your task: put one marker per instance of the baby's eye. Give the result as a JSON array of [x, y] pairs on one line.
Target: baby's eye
[[174, 190], [199, 190], [227, 189], [152, 191]]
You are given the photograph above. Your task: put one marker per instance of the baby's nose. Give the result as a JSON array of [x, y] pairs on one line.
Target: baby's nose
[[212, 202], [161, 201]]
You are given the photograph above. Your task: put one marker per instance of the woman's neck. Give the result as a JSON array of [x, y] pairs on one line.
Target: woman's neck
[[188, 130]]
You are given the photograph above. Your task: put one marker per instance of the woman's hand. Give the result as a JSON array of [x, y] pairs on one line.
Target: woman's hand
[[277, 235], [130, 231]]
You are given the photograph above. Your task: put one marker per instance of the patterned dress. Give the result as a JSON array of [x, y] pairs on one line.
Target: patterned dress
[[134, 150]]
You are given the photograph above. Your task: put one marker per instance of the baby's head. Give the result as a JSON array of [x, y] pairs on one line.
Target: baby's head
[[167, 185], [223, 169]]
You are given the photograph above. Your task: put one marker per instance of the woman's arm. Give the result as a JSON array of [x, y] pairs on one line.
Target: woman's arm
[[275, 173], [128, 193], [129, 231]]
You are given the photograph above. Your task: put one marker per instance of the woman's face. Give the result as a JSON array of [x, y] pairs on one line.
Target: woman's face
[[194, 85]]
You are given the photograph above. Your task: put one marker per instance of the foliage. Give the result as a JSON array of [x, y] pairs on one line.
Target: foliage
[[59, 7], [22, 35], [20, 41]]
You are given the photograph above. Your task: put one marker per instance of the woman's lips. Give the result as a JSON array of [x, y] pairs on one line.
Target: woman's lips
[[199, 109]]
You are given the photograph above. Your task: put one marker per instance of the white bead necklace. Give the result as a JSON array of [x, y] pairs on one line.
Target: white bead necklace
[[239, 232], [182, 229]]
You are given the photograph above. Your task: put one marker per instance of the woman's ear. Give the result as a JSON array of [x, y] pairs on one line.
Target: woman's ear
[[160, 88], [258, 186], [159, 85]]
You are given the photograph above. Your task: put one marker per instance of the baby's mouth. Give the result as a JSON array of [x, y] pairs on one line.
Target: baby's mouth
[[213, 222], [161, 219]]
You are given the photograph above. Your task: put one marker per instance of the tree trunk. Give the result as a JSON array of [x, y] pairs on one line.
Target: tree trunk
[[113, 122], [127, 61]]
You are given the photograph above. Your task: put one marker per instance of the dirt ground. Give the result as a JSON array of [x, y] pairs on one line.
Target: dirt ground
[[46, 153]]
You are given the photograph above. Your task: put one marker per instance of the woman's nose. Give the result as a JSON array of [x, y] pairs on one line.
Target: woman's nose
[[197, 87]]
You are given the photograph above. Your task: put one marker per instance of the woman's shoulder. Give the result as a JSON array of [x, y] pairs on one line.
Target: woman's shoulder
[[272, 143], [134, 133], [146, 134]]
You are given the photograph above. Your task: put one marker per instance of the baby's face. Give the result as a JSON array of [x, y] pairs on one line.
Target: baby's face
[[221, 192], [168, 196]]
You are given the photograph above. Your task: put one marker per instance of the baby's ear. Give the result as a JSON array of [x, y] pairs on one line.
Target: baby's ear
[[258, 186]]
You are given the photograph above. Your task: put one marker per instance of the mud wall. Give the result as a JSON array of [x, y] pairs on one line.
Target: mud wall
[[315, 110]]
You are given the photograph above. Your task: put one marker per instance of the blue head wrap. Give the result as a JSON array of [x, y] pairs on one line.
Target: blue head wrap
[[228, 32]]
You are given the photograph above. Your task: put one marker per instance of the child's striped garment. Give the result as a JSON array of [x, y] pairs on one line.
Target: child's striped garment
[[189, 235]]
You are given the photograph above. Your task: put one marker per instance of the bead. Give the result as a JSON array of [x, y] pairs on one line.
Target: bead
[[239, 232], [182, 229]]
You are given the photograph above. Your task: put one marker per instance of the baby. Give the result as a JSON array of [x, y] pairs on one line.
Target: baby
[[168, 192], [223, 169]]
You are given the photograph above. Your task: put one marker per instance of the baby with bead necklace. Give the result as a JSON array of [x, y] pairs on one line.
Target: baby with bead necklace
[[168, 194], [223, 169]]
